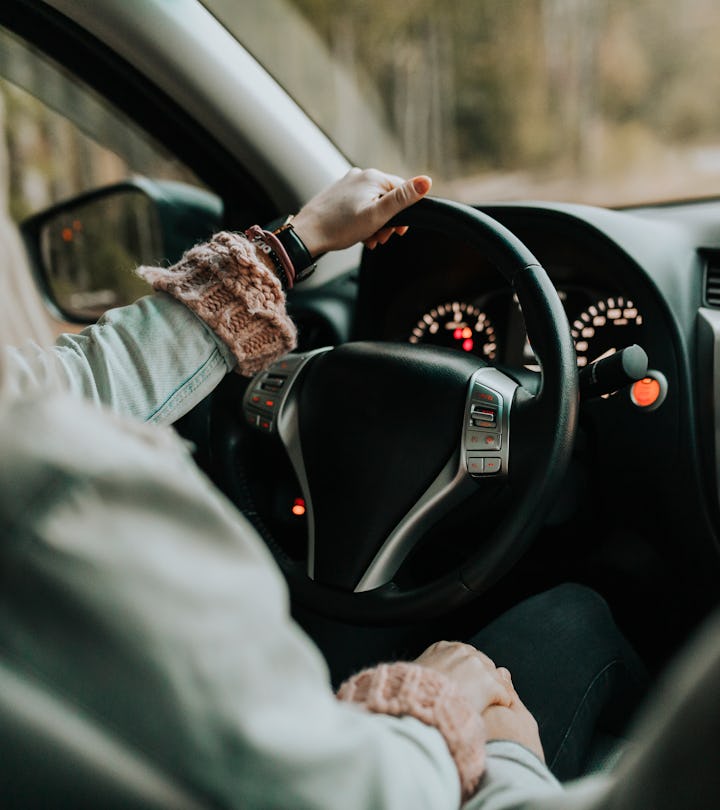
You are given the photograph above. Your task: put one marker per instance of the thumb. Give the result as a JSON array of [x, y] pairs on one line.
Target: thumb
[[404, 195]]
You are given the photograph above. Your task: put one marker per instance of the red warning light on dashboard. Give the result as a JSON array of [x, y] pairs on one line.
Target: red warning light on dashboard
[[298, 507], [646, 392]]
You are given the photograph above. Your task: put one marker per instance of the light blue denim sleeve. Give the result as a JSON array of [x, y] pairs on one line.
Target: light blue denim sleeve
[[515, 779], [153, 360]]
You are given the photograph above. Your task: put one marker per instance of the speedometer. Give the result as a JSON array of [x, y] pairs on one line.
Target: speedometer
[[604, 327], [457, 325]]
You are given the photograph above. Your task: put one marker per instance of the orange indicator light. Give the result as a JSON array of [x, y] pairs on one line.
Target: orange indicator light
[[298, 507], [467, 332], [67, 234], [645, 392]]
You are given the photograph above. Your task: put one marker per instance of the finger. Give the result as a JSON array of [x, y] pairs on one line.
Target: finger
[[384, 234], [498, 694], [403, 195], [402, 230], [392, 181], [504, 673]]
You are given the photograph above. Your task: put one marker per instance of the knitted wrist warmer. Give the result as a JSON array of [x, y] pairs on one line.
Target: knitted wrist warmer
[[227, 284], [410, 689]]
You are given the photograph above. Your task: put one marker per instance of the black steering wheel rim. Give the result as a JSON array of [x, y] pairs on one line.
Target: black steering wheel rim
[[556, 403]]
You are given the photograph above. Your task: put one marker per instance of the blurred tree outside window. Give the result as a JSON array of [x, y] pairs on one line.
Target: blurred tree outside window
[[609, 102]]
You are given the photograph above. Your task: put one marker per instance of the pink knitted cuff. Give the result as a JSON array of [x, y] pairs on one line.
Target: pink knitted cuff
[[227, 284], [410, 689]]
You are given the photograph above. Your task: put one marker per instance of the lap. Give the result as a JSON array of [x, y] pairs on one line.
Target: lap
[[571, 666]]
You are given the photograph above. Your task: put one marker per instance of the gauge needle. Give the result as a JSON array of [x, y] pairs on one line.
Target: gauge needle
[[605, 354]]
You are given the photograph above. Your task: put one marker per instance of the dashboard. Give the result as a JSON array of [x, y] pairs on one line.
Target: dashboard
[[429, 291]]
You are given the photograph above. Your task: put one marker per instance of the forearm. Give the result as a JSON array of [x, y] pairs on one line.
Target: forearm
[[515, 779], [221, 306], [153, 360]]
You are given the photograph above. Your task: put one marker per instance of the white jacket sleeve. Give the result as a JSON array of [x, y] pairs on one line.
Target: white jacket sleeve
[[140, 597]]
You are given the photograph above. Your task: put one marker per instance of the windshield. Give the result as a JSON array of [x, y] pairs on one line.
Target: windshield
[[612, 102]]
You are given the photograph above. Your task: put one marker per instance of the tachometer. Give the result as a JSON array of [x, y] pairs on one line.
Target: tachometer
[[604, 327], [458, 325]]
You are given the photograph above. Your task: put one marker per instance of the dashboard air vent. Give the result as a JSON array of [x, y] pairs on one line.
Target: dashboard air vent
[[712, 278]]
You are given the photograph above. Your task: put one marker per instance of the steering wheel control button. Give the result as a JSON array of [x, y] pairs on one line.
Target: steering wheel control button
[[487, 420], [490, 441], [478, 465], [475, 464], [493, 465], [482, 440], [485, 396], [481, 412], [270, 390], [263, 402], [273, 383], [482, 416], [482, 423]]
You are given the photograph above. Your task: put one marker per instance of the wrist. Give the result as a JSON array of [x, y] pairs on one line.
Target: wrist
[[429, 696], [310, 235], [301, 259]]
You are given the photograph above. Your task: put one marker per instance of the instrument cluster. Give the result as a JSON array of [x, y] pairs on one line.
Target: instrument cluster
[[492, 326]]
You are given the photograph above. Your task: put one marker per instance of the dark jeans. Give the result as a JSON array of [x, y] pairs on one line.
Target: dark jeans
[[570, 664], [571, 667]]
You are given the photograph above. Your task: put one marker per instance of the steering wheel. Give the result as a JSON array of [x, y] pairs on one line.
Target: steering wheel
[[388, 439]]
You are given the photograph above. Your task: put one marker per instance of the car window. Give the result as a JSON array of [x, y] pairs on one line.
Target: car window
[[60, 139], [611, 102]]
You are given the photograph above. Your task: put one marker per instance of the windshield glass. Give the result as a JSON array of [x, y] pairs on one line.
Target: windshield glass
[[612, 102]]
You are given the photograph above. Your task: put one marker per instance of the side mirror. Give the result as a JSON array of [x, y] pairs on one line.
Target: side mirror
[[84, 250]]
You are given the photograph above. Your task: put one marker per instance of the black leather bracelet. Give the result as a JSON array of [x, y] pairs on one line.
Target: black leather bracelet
[[300, 257]]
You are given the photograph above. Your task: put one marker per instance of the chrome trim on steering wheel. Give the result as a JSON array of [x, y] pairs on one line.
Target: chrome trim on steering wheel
[[455, 481], [284, 421]]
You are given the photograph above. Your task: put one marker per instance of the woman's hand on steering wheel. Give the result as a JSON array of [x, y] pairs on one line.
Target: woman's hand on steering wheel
[[356, 209]]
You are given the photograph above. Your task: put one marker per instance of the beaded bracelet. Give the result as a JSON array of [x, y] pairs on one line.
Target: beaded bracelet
[[270, 245]]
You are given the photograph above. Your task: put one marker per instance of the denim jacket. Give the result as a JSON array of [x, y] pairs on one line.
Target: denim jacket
[[153, 361]]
